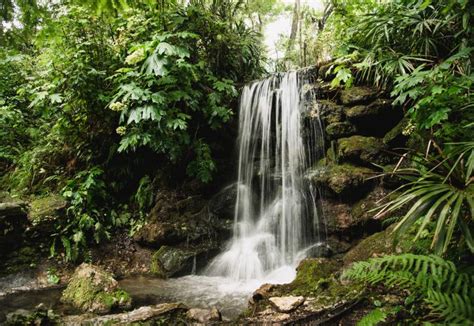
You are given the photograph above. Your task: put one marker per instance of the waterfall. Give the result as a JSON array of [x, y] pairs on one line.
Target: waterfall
[[276, 217]]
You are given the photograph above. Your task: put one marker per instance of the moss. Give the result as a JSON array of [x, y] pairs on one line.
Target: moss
[[94, 290], [342, 179], [383, 243], [357, 95], [46, 207], [340, 129], [363, 150]]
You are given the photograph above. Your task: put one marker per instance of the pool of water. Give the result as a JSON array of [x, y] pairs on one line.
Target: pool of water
[[196, 291]]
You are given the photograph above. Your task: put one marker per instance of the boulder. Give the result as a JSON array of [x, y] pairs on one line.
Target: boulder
[[344, 180], [91, 289], [329, 112], [340, 129], [362, 150], [13, 223], [262, 292], [386, 243], [175, 261], [357, 95], [375, 118], [43, 214], [286, 304], [204, 315], [156, 234], [222, 204]]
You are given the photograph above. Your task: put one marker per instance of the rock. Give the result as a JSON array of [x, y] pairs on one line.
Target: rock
[[362, 150], [375, 118], [340, 129], [43, 214], [286, 304], [311, 273], [365, 209], [147, 314], [49, 207], [319, 250], [337, 216], [329, 112], [344, 180], [383, 243], [204, 315], [222, 204], [395, 137], [91, 289], [174, 261], [262, 292], [170, 261], [157, 234], [357, 95], [13, 223]]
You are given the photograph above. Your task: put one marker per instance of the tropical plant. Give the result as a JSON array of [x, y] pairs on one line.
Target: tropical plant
[[176, 87], [440, 190], [431, 280]]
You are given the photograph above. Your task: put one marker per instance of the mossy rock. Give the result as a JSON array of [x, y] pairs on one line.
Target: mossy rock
[[383, 243], [48, 207], [369, 112], [340, 129], [330, 112], [357, 95], [170, 261], [91, 289], [362, 150], [343, 179]]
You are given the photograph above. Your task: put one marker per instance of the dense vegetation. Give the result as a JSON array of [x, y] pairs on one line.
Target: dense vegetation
[[102, 100]]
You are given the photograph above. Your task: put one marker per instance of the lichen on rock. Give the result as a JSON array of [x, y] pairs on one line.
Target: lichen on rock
[[91, 289]]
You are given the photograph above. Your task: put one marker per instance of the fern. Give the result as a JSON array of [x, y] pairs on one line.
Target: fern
[[373, 318], [448, 293]]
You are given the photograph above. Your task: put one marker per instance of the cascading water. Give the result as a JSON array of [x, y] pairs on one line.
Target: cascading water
[[275, 213]]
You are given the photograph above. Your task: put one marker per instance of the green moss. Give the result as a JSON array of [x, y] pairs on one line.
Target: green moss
[[46, 207], [94, 290], [341, 178]]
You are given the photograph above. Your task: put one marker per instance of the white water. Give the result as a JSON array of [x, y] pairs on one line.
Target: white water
[[275, 214]]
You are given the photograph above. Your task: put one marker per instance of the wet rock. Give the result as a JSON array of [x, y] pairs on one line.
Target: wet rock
[[338, 216], [330, 112], [340, 129], [147, 314], [287, 304], [170, 261], [357, 95], [344, 180], [13, 223], [222, 204], [366, 208], [319, 250], [204, 315], [91, 289], [174, 261], [262, 292], [370, 112], [362, 150]]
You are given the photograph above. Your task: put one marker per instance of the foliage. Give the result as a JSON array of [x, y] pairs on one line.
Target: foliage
[[420, 50], [85, 219], [440, 190], [178, 83], [374, 317], [447, 292]]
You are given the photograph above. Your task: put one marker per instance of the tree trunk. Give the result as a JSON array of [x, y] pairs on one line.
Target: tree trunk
[[294, 25]]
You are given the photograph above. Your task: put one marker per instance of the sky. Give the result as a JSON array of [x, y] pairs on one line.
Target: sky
[[282, 25]]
